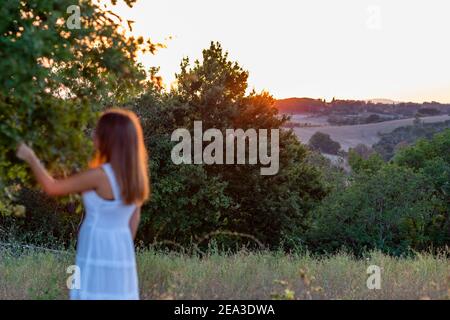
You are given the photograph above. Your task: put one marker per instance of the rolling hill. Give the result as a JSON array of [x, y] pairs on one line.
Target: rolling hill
[[351, 135]]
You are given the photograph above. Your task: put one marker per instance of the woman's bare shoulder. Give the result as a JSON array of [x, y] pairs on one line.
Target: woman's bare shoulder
[[96, 173]]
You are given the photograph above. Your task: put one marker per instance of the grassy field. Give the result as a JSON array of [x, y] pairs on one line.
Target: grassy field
[[351, 135], [245, 275]]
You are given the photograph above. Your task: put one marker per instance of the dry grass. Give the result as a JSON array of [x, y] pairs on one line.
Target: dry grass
[[246, 275], [349, 136]]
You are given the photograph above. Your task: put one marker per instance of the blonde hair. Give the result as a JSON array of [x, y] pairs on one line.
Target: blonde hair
[[120, 142]]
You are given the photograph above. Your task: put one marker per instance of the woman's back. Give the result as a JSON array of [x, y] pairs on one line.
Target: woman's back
[[110, 214], [105, 249]]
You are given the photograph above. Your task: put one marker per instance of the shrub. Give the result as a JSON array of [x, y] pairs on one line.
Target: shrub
[[47, 222]]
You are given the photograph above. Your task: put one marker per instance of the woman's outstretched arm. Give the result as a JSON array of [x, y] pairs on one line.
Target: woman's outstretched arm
[[77, 183]]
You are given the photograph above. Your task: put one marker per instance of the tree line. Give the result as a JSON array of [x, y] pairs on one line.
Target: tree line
[[395, 206]]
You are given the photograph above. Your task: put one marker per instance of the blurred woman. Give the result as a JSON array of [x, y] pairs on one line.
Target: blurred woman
[[113, 191]]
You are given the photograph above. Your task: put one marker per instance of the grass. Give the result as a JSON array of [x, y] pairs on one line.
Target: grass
[[244, 275]]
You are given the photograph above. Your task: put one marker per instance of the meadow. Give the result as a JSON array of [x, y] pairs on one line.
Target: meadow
[[31, 274]]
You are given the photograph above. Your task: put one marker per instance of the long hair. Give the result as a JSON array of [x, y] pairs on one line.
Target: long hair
[[120, 142]]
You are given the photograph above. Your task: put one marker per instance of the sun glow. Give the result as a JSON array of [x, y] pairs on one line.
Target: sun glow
[[356, 49]]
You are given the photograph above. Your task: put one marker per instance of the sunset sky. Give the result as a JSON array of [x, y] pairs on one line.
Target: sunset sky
[[354, 49]]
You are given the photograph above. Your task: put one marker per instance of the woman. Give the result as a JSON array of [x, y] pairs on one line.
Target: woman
[[113, 191]]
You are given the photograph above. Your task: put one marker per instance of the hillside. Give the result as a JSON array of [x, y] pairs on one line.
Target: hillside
[[299, 105], [351, 135], [345, 111]]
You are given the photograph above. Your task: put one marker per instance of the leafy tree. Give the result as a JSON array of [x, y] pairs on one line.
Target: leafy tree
[[417, 156], [322, 142], [432, 159], [364, 162], [333, 176], [373, 118], [363, 150], [185, 202], [191, 201], [424, 112], [392, 210], [391, 142], [394, 206], [54, 79]]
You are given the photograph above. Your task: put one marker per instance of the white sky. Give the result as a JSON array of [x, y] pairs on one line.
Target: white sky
[[355, 49]]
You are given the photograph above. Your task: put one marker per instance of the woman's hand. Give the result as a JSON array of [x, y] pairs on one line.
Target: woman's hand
[[24, 152], [88, 180]]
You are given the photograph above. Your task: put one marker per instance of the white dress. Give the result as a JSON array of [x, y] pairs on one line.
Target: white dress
[[105, 250]]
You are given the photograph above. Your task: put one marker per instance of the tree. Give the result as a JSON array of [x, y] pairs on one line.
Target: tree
[[54, 79], [191, 201], [322, 142], [391, 210], [373, 118], [424, 150], [394, 207], [391, 142], [363, 150], [432, 159], [426, 112], [362, 161], [185, 202]]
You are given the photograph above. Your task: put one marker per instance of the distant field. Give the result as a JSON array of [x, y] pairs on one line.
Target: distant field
[[351, 135], [309, 119], [245, 275]]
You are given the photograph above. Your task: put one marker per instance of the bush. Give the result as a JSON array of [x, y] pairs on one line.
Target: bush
[[47, 221]]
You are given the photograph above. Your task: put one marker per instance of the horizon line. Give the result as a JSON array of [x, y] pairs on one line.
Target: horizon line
[[353, 99]]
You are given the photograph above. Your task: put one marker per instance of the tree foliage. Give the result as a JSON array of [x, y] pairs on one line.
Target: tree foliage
[[190, 201], [54, 79], [393, 207], [322, 142]]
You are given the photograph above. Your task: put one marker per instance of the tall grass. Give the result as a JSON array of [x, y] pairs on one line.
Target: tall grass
[[244, 275]]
